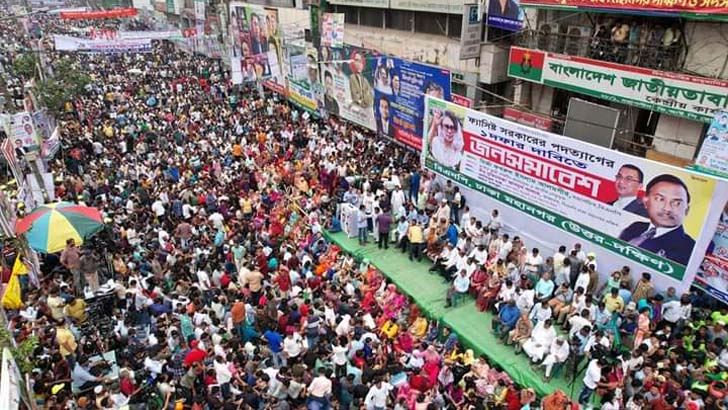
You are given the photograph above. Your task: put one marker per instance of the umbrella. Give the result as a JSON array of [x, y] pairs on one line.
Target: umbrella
[[49, 226]]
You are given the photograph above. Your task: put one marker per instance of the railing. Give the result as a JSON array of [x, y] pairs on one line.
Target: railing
[[655, 55]]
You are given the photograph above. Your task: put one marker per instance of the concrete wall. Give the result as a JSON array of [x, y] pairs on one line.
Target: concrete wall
[[677, 136], [707, 49]]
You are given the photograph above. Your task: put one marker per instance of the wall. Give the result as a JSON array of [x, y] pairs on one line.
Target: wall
[[426, 48], [707, 49], [535, 96], [677, 136], [493, 63]]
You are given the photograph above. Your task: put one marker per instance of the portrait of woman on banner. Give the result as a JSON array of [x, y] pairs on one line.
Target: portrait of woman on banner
[[446, 138]]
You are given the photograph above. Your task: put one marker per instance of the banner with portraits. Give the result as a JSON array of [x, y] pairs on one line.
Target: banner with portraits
[[303, 77], [400, 87], [642, 212], [713, 272], [257, 49], [332, 30], [346, 79]]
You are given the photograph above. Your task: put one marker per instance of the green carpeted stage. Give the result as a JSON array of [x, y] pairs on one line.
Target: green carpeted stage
[[472, 326]]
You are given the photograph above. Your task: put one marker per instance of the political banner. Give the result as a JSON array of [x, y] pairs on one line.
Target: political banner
[[22, 133], [691, 7], [332, 30], [152, 35], [642, 212], [99, 14], [506, 15], [713, 156], [346, 76], [713, 272], [67, 43], [682, 95], [256, 42], [400, 88], [303, 77]]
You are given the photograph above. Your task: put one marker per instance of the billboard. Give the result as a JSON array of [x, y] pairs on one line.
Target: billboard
[[400, 87], [332, 30], [642, 212], [505, 14], [303, 77], [681, 95], [257, 49], [697, 7], [713, 272], [346, 76], [713, 156], [23, 133]]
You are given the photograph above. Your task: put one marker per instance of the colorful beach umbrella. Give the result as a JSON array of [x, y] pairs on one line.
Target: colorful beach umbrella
[[49, 226]]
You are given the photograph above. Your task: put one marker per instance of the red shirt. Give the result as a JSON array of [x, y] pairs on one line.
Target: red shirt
[[126, 387], [195, 355]]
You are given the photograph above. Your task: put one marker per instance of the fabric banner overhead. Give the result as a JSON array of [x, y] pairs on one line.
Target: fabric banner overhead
[[66, 43], [103, 14], [701, 7], [641, 211], [694, 98]]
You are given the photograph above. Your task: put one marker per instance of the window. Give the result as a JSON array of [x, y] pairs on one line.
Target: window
[[371, 17], [351, 14], [431, 23], [400, 20], [454, 25]]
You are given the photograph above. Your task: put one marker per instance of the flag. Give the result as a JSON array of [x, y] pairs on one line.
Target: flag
[[12, 296], [526, 64]]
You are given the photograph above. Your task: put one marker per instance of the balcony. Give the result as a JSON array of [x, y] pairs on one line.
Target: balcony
[[657, 49]]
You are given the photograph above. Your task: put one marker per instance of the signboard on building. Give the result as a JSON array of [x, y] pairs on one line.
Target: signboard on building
[[472, 30], [698, 7], [400, 88], [565, 185], [713, 156], [332, 30], [506, 15], [433, 6], [540, 122], [382, 4], [694, 98], [461, 100]]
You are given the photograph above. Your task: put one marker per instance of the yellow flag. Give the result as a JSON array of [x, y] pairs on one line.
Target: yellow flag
[[19, 268], [12, 298]]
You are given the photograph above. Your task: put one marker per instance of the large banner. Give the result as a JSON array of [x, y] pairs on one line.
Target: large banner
[[303, 77], [506, 15], [67, 43], [699, 7], [694, 98], [23, 133], [400, 88], [257, 48], [99, 14], [346, 76], [713, 273], [645, 212], [332, 30], [713, 156], [153, 35]]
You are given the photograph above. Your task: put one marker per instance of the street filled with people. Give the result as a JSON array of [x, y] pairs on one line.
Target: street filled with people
[[215, 283]]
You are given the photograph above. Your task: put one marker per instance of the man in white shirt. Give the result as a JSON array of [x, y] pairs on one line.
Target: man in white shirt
[[460, 285], [376, 398], [158, 208], [319, 390], [533, 261], [505, 247], [495, 224], [558, 258], [558, 353], [591, 380]]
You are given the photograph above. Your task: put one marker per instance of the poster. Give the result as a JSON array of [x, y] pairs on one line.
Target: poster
[[303, 77], [713, 156], [400, 87], [332, 30], [713, 272], [471, 32], [346, 76], [692, 7], [23, 133], [505, 14], [256, 43], [681, 95], [643, 212]]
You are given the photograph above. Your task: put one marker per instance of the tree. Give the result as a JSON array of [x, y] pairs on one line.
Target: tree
[[67, 83], [24, 65]]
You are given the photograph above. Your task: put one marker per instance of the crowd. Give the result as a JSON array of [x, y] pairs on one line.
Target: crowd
[[215, 287]]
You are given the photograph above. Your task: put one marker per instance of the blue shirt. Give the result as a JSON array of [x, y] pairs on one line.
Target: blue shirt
[[274, 340], [452, 234], [509, 314]]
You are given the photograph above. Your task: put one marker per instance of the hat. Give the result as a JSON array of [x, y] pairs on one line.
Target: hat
[[591, 255]]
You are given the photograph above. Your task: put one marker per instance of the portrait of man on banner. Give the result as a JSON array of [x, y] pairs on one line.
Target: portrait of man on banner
[[667, 201], [445, 138], [628, 184]]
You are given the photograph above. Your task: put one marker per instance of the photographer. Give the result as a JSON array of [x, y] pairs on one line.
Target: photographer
[[89, 266]]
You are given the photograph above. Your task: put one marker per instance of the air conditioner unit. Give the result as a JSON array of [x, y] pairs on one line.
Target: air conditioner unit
[[548, 36], [577, 41]]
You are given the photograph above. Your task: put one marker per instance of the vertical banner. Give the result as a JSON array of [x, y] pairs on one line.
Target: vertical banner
[[303, 77], [400, 88], [713, 156], [713, 272], [346, 74], [471, 32], [200, 10], [22, 133], [642, 212], [332, 30], [256, 45], [505, 14]]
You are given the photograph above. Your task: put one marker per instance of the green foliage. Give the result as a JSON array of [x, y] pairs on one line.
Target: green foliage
[[23, 353], [66, 84], [24, 65]]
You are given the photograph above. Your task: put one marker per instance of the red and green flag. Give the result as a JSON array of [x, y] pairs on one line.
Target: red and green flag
[[526, 64]]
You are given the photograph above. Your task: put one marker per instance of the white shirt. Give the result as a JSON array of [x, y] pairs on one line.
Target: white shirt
[[320, 387], [203, 279], [673, 311], [158, 208], [292, 345], [593, 375], [222, 373], [377, 396]]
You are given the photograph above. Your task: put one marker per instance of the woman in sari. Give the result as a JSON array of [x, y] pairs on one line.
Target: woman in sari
[[418, 328], [478, 280], [488, 293]]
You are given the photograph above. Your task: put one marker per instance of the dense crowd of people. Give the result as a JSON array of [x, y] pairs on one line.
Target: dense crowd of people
[[219, 289]]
